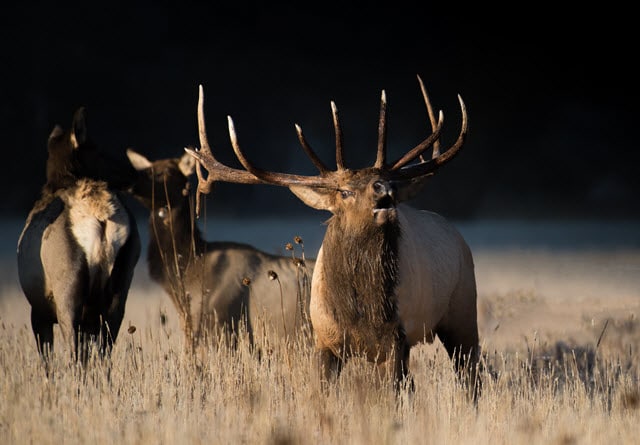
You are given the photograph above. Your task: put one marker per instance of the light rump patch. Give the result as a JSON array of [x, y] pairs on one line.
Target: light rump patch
[[99, 223], [79, 246]]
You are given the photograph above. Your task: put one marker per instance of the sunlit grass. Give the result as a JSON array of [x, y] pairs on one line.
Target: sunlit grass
[[551, 385]]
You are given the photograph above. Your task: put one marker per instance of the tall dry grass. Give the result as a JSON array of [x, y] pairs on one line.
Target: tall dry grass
[[543, 388]]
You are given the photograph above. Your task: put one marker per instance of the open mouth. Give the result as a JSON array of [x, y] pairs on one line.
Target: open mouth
[[385, 210], [384, 203]]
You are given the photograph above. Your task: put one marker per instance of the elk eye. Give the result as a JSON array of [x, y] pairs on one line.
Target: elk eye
[[344, 194]]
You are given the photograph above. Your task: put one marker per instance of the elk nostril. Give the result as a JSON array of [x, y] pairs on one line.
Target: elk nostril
[[385, 203]]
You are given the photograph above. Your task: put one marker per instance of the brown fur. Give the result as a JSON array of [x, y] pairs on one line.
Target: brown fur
[[374, 283], [387, 276], [364, 271], [204, 279], [78, 249]]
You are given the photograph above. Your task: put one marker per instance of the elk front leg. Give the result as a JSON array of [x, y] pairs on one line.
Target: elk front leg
[[401, 354], [330, 367]]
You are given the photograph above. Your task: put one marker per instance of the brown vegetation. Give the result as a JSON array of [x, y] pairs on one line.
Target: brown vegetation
[[559, 370]]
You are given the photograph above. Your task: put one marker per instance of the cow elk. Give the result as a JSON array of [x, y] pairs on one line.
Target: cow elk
[[387, 276], [79, 246], [217, 287]]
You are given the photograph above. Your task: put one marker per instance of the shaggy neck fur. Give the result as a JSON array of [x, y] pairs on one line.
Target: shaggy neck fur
[[61, 172], [363, 266]]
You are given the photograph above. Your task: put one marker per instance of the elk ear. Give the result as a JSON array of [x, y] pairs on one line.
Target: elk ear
[[78, 128], [56, 132], [187, 164], [317, 198], [138, 161]]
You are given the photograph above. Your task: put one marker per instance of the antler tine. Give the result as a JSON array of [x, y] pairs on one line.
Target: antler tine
[[284, 179], [381, 157], [421, 147], [215, 169], [204, 184], [428, 167], [309, 151], [436, 145], [453, 150], [338, 129]]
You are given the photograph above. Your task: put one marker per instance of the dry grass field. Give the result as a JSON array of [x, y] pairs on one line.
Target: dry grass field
[[559, 330]]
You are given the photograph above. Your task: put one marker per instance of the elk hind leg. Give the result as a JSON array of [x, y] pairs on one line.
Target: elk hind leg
[[463, 348], [42, 327]]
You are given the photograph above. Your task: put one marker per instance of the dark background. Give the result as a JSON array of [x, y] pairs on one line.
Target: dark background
[[551, 95]]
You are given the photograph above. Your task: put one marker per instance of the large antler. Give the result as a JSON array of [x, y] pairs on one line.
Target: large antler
[[216, 170], [285, 179], [399, 168], [428, 167]]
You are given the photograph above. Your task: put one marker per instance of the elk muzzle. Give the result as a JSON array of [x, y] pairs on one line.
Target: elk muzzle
[[384, 198]]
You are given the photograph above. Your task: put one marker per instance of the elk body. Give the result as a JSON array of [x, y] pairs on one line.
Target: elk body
[[214, 285], [387, 276], [79, 246]]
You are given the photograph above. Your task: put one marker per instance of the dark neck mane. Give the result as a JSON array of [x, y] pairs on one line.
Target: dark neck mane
[[61, 172], [362, 272]]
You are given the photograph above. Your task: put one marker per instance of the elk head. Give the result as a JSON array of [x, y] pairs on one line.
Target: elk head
[[162, 183], [72, 155]]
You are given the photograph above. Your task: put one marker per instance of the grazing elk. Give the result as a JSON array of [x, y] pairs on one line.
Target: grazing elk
[[214, 285], [387, 276], [79, 246]]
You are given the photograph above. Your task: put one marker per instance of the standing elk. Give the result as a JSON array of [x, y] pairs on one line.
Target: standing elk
[[79, 246], [215, 286], [387, 276]]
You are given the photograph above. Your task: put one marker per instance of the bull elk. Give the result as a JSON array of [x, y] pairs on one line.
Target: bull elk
[[387, 276], [214, 285], [79, 246]]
